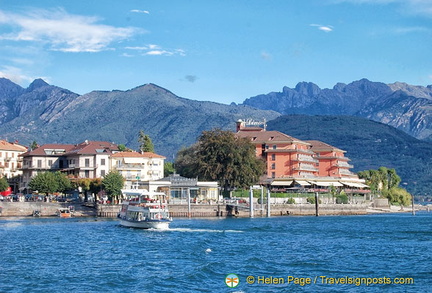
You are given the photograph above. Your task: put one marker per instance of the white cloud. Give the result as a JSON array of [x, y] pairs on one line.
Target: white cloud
[[140, 11], [418, 7], [16, 75], [62, 31], [324, 28], [412, 29], [156, 50]]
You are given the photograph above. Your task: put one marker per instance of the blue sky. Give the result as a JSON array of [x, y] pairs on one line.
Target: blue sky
[[215, 50]]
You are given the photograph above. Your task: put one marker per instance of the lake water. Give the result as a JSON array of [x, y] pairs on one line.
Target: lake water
[[279, 254]]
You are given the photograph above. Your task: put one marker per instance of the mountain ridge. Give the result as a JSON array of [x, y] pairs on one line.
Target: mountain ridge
[[363, 98]]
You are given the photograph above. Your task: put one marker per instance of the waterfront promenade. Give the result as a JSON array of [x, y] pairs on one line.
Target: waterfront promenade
[[48, 209]]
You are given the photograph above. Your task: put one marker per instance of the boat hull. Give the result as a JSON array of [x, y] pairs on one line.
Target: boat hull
[[145, 224]]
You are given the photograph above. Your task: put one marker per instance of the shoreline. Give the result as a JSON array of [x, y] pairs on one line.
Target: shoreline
[[25, 209]]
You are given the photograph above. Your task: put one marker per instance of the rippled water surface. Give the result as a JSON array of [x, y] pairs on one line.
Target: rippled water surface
[[97, 255]]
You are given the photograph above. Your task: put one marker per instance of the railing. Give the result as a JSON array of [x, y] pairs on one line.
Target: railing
[[305, 167], [344, 164]]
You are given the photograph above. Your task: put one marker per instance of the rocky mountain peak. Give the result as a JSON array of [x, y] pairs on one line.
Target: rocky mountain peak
[[8, 89], [37, 83], [307, 88]]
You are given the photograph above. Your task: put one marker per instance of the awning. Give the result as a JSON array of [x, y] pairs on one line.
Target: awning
[[302, 182], [354, 184], [325, 183], [282, 183]]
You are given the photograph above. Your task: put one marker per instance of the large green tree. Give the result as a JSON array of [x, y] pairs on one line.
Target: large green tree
[[221, 156], [382, 179], [146, 144], [44, 183], [63, 182], [385, 181], [112, 184], [4, 185]]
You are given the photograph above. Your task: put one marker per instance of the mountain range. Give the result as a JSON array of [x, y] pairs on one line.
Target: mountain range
[[403, 106], [49, 114]]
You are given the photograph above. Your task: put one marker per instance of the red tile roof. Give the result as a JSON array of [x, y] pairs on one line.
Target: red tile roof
[[84, 148], [269, 136], [318, 146], [41, 151], [7, 146], [93, 148]]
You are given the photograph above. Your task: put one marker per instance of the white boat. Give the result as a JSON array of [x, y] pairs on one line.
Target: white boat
[[145, 210]]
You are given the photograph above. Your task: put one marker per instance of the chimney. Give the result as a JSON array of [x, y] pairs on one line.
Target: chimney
[[239, 125]]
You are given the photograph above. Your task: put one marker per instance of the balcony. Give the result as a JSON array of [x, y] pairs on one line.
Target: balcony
[[343, 165], [303, 158], [305, 167]]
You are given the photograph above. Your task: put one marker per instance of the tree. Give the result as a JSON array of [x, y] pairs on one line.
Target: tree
[[34, 145], [63, 183], [96, 185], [186, 161], [220, 155], [168, 169], [382, 179], [146, 144], [4, 185], [113, 183], [44, 183], [386, 181]]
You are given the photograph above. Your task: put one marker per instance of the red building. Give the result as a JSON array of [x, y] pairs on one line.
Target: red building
[[292, 161]]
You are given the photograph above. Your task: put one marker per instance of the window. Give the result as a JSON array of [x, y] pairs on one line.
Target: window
[[274, 146], [86, 173], [102, 162], [273, 166], [102, 173], [273, 157], [273, 175], [39, 163], [87, 163], [49, 163]]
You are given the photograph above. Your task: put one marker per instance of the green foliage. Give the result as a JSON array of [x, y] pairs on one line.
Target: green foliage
[[122, 147], [113, 183], [186, 162], [341, 198], [220, 156], [398, 195], [146, 144], [312, 200], [4, 185], [291, 200], [46, 182], [380, 180], [95, 185], [168, 169], [34, 145], [63, 183]]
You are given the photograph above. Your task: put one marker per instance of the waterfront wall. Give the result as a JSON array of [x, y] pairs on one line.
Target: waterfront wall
[[46, 209], [220, 210], [23, 209]]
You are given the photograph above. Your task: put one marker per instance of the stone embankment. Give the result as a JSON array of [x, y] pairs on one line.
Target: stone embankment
[[23, 209]]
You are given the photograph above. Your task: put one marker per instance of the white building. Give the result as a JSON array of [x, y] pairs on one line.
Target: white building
[[138, 167], [10, 161]]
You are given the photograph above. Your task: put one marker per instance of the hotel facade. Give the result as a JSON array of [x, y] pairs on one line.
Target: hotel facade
[[291, 161]]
